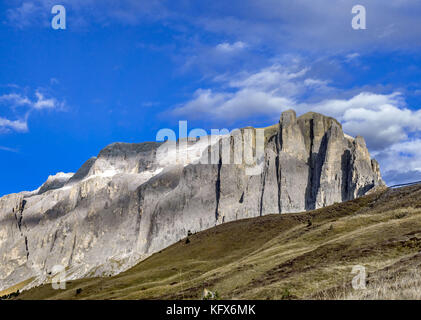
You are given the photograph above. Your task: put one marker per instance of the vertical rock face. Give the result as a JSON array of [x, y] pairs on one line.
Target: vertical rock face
[[319, 165], [129, 202]]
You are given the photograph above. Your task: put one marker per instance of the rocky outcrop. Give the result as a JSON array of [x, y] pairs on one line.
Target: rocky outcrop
[[55, 182], [135, 199]]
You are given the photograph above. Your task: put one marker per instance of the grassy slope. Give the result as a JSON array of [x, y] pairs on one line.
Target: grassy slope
[[275, 256]]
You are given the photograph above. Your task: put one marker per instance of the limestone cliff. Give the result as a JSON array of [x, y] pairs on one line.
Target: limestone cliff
[[129, 202]]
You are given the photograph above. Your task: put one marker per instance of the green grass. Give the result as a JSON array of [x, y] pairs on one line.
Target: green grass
[[271, 257]]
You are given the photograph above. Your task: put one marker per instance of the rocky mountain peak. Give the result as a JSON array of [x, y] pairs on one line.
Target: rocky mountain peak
[[288, 117], [133, 200]]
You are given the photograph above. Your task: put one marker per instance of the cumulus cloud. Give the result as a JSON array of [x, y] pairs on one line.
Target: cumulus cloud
[[45, 103], [19, 106], [15, 125], [229, 106], [383, 119], [401, 162], [268, 92], [402, 155], [14, 99]]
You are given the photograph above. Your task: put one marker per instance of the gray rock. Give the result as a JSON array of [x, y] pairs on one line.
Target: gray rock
[[55, 182], [133, 199]]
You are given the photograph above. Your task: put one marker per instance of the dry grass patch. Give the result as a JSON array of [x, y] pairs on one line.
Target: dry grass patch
[[276, 256]]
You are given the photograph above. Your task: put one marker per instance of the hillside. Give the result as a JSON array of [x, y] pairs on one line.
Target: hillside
[[306, 255]]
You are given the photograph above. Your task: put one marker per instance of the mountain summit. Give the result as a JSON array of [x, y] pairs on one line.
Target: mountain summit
[[131, 201]]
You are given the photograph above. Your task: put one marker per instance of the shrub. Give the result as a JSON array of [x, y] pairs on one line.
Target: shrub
[[286, 294]]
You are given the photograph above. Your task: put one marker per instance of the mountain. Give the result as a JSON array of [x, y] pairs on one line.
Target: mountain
[[134, 200], [308, 255]]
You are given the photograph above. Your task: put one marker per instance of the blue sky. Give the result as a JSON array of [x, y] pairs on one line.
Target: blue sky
[[122, 70]]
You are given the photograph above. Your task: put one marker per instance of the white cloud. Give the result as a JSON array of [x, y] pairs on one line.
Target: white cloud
[[401, 162], [2, 148], [247, 102], [15, 125], [267, 92], [228, 47], [23, 15], [276, 77], [20, 106], [352, 57], [382, 119], [44, 103], [15, 99], [211, 59]]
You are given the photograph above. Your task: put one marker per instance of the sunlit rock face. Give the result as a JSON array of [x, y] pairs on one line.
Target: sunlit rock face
[[136, 199]]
